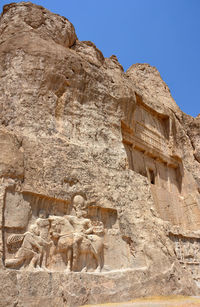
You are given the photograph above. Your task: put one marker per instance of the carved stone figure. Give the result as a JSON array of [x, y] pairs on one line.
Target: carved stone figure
[[62, 236], [77, 239], [187, 252], [178, 250], [82, 226], [95, 247], [29, 254], [85, 240], [43, 225]]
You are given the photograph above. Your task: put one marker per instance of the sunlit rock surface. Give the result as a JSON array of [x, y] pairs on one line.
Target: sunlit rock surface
[[99, 189]]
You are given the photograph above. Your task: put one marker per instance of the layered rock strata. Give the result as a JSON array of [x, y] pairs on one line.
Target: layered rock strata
[[99, 170]]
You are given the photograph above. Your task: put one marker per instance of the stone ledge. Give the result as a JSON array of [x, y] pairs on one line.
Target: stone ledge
[[75, 289]]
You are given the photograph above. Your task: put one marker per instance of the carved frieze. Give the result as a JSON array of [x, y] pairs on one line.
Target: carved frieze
[[150, 132], [55, 235], [149, 137]]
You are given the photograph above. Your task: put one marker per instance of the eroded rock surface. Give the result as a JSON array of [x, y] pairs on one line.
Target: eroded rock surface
[[99, 170]]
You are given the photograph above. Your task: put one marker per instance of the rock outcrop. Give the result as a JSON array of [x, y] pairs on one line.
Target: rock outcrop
[[100, 172]]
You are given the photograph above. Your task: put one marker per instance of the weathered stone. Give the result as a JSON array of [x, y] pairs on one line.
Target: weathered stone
[[11, 155], [99, 193]]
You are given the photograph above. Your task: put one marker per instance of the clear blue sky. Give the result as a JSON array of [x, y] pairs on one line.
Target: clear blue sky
[[163, 33]]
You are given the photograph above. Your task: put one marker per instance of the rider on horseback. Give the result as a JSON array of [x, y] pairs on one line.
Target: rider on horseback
[[80, 223]]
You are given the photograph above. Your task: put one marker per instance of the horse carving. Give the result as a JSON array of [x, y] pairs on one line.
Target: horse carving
[[79, 243]]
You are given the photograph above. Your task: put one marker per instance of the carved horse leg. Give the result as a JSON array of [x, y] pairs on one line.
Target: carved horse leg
[[99, 262], [84, 260], [69, 260], [97, 251], [88, 249]]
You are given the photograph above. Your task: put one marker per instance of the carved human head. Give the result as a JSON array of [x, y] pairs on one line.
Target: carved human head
[[81, 213], [42, 214], [80, 206], [34, 229], [79, 202]]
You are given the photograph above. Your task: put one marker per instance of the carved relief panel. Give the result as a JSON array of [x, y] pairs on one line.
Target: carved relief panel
[[150, 129], [147, 129], [41, 233], [187, 250]]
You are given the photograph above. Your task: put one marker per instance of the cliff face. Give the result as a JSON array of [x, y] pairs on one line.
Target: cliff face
[[100, 172]]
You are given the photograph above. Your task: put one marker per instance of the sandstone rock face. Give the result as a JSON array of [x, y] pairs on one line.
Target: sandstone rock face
[[99, 168]]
